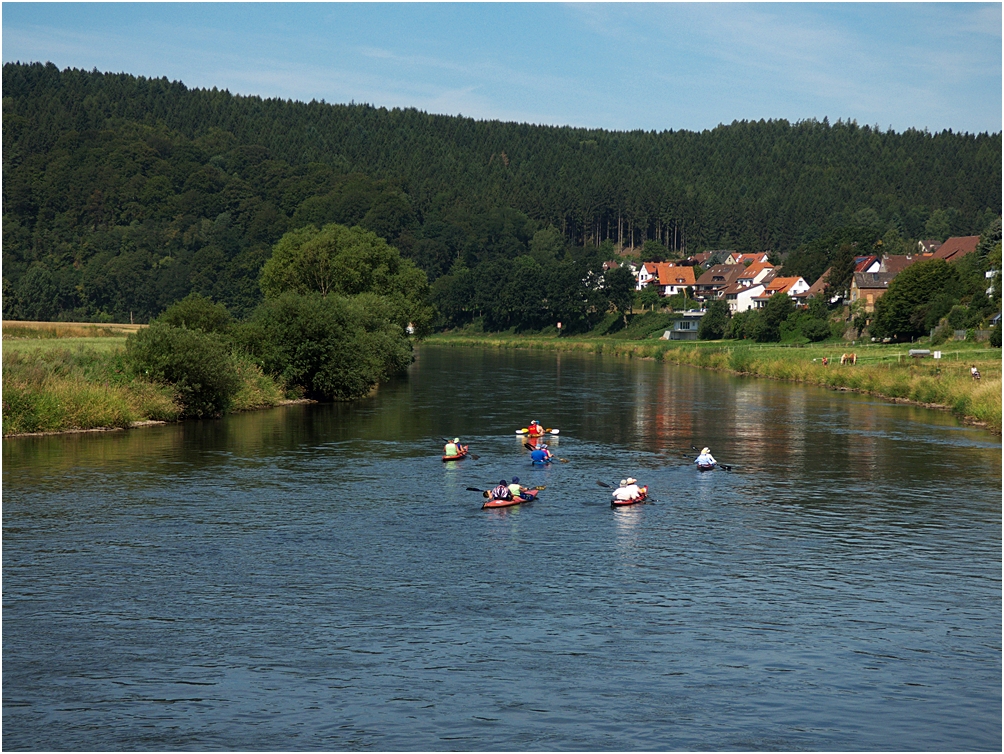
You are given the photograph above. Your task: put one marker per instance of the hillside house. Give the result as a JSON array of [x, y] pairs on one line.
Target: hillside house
[[956, 247], [669, 277], [712, 284], [737, 258], [790, 286], [869, 287]]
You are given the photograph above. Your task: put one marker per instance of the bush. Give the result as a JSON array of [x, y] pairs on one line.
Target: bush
[[332, 347], [197, 312], [995, 336], [815, 329], [714, 322], [199, 365]]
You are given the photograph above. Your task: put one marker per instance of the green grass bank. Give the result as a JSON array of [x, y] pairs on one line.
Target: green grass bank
[[887, 371], [63, 384]]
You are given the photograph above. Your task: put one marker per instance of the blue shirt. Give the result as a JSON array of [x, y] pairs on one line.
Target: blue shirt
[[538, 455]]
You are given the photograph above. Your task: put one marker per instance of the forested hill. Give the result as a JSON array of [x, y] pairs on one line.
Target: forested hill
[[122, 194]]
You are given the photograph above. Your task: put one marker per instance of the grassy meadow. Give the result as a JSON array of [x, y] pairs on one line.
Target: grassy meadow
[[883, 370]]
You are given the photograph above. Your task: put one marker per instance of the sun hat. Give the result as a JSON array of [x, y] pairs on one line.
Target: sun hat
[[456, 439], [706, 450], [631, 480], [503, 482], [623, 482], [515, 480]]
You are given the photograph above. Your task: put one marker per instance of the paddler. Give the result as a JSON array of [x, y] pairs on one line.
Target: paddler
[[706, 459], [535, 430], [502, 492], [453, 448], [517, 490], [541, 454], [622, 493], [631, 488]]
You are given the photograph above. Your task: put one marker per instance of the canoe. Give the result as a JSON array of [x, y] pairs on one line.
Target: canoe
[[494, 503], [640, 499], [463, 454], [705, 467]]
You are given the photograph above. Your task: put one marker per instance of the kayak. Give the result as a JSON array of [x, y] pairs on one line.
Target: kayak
[[705, 467], [495, 503], [640, 499], [463, 454], [543, 463], [528, 433]]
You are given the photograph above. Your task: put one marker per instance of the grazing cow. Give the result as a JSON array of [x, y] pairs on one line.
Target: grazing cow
[[849, 358]]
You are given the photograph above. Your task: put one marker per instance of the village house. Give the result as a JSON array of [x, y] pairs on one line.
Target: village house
[[670, 278], [740, 297], [712, 284], [870, 263], [956, 247], [790, 286], [928, 247], [869, 287], [685, 328], [737, 258]]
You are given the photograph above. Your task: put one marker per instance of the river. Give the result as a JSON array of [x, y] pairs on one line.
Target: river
[[315, 577]]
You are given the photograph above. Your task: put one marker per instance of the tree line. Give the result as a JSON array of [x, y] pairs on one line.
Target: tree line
[[124, 194]]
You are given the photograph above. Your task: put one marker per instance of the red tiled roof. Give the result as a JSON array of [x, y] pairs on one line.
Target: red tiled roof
[[896, 263], [957, 247]]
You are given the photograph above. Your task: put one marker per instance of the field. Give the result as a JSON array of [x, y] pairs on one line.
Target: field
[[60, 377]]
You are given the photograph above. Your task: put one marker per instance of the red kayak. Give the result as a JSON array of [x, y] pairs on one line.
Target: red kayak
[[705, 467], [496, 503], [640, 499], [463, 454]]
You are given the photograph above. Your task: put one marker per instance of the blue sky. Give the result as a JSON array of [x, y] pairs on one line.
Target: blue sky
[[620, 66]]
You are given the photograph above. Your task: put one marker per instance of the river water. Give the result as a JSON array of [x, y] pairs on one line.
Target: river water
[[315, 577]]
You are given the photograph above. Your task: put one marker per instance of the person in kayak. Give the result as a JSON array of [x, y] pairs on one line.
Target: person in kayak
[[706, 459], [502, 492], [517, 490], [541, 454], [453, 448], [628, 490], [535, 430]]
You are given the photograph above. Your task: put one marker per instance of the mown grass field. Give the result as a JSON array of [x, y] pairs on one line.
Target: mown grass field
[[885, 370]]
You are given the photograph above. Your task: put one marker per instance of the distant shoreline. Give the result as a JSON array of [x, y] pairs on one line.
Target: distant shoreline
[[885, 371]]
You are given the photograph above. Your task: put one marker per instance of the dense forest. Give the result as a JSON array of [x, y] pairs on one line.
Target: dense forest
[[122, 195]]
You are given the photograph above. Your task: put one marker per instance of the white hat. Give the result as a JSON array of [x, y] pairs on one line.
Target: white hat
[[456, 439], [631, 480], [623, 482], [706, 450]]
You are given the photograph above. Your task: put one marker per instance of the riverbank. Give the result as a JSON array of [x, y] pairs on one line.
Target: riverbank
[[66, 384], [886, 371]]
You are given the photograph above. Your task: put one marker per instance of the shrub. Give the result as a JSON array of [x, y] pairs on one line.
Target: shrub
[[332, 347], [199, 365], [197, 312], [815, 329], [995, 336], [714, 322]]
